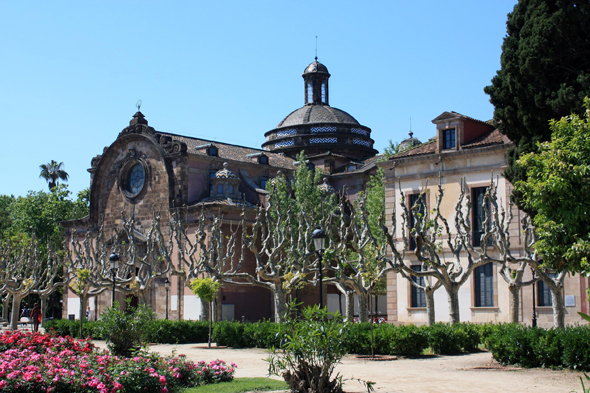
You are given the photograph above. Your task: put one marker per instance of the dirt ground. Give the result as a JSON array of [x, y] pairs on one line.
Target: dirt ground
[[465, 373]]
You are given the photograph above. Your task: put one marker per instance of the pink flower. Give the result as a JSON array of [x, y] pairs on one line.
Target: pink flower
[[164, 390], [117, 386], [163, 380]]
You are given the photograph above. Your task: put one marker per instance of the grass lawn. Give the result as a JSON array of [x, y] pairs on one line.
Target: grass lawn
[[240, 385]]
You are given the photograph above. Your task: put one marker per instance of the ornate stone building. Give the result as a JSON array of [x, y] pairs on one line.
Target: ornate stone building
[[145, 169]]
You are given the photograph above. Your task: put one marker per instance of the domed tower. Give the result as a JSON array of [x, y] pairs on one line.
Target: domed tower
[[317, 127]]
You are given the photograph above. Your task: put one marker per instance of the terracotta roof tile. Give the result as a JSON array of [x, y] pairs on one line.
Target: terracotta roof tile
[[425, 148], [231, 152], [491, 138]]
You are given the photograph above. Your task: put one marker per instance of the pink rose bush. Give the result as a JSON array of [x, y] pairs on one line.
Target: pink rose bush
[[32, 362]]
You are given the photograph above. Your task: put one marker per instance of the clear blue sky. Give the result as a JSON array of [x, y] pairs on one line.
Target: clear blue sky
[[72, 71]]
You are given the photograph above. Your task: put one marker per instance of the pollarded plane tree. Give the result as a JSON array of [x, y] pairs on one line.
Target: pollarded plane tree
[[283, 249], [86, 265], [554, 281], [360, 258], [495, 240], [210, 253], [140, 267], [21, 270], [420, 276], [52, 278]]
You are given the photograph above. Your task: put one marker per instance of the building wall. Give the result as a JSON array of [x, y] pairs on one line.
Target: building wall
[[476, 168]]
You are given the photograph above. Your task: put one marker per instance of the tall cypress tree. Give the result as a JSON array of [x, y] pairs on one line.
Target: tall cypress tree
[[544, 75]]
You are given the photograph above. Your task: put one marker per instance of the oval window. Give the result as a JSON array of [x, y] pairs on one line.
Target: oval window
[[136, 179]]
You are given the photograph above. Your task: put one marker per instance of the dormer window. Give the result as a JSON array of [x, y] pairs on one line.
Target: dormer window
[[310, 166], [351, 168], [449, 140], [213, 151], [263, 159]]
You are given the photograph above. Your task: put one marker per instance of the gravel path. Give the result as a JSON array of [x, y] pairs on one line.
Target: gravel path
[[465, 373]]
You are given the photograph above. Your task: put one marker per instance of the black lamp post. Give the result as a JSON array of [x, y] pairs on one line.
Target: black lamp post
[[114, 258], [319, 240], [534, 301], [167, 286]]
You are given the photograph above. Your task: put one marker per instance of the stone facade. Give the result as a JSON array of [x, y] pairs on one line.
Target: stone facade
[[476, 156]]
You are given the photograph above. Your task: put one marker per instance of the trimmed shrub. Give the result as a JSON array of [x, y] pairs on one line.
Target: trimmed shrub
[[576, 351], [470, 335], [443, 339], [178, 332], [405, 340], [230, 334]]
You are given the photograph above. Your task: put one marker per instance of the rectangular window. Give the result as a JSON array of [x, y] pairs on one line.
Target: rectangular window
[[220, 188], [481, 208], [449, 139], [420, 201], [484, 285], [417, 294], [544, 293]]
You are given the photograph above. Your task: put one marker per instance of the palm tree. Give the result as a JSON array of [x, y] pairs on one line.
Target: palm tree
[[53, 172]]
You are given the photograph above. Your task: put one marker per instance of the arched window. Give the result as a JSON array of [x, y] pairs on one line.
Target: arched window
[[263, 181], [220, 189], [230, 189]]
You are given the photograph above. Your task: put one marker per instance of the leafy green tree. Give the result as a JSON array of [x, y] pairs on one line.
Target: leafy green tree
[[52, 172], [206, 289], [557, 188], [545, 73], [40, 212], [5, 220]]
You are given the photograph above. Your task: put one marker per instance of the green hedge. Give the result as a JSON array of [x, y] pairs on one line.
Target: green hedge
[[536, 347], [508, 343]]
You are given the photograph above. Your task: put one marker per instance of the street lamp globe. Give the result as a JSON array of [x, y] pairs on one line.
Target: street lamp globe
[[319, 239]]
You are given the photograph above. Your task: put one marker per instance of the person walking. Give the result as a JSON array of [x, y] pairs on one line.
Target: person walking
[[36, 315], [88, 314]]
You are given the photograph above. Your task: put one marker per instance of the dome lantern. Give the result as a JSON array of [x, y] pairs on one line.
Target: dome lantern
[[316, 77]]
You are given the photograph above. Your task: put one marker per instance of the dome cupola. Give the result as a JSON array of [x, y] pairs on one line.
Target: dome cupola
[[317, 127]]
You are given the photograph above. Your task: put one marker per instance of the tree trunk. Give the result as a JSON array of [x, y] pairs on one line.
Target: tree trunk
[[210, 324], [280, 302], [43, 307], [5, 307], [430, 317], [514, 302], [453, 295], [363, 307], [16, 299], [349, 306], [558, 306], [83, 302], [205, 314]]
